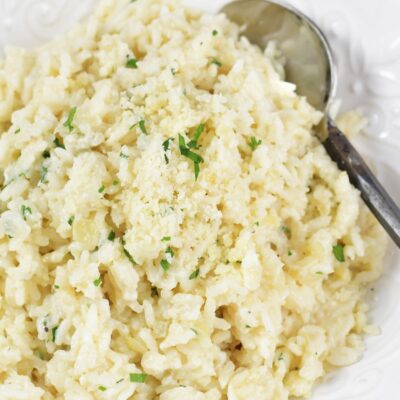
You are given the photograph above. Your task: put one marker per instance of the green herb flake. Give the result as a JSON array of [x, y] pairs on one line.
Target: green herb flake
[[170, 251], [71, 220], [17, 131], [248, 326], [138, 378], [280, 357], [166, 239], [120, 380], [59, 142], [46, 154], [54, 333], [214, 32], [70, 119], [102, 188], [254, 143], [216, 62], [338, 252], [132, 63], [173, 71], [115, 182], [111, 236], [25, 211], [165, 265], [193, 144], [319, 273], [286, 230], [129, 256], [194, 331], [165, 146], [142, 126], [186, 152], [97, 282], [43, 174], [123, 155], [102, 388], [195, 274], [289, 253], [56, 287]]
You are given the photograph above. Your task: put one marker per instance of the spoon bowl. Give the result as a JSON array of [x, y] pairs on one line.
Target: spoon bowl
[[308, 57], [310, 66]]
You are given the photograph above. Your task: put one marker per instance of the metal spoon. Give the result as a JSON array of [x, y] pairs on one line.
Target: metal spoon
[[310, 66]]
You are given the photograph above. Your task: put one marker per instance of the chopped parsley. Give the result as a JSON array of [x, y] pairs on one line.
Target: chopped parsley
[[138, 378], [254, 143], [123, 155], [111, 236], [195, 274], [102, 388], [132, 63], [56, 287], [120, 380], [280, 357], [173, 71], [43, 174], [319, 273], [216, 62], [25, 211], [170, 251], [54, 333], [142, 126], [166, 239], [165, 146], [186, 152], [46, 154], [129, 256], [248, 326], [115, 182], [102, 188], [165, 265], [71, 220], [193, 144], [194, 331], [289, 253], [70, 119], [214, 32], [286, 230], [338, 252], [59, 142], [97, 282], [17, 131]]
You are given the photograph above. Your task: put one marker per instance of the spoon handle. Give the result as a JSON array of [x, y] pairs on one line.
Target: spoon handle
[[374, 195]]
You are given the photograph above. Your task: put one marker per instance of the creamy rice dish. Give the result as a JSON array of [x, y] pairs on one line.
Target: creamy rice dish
[[170, 226]]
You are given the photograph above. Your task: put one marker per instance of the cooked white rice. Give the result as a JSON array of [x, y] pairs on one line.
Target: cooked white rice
[[224, 287]]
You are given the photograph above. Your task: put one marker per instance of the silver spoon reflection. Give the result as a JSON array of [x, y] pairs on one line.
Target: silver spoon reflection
[[310, 66]]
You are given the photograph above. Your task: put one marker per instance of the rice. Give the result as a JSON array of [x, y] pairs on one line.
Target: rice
[[170, 227]]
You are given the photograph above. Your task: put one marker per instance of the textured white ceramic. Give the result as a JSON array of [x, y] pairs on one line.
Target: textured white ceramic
[[365, 36]]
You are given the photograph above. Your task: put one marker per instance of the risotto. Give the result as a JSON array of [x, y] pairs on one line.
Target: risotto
[[170, 227]]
